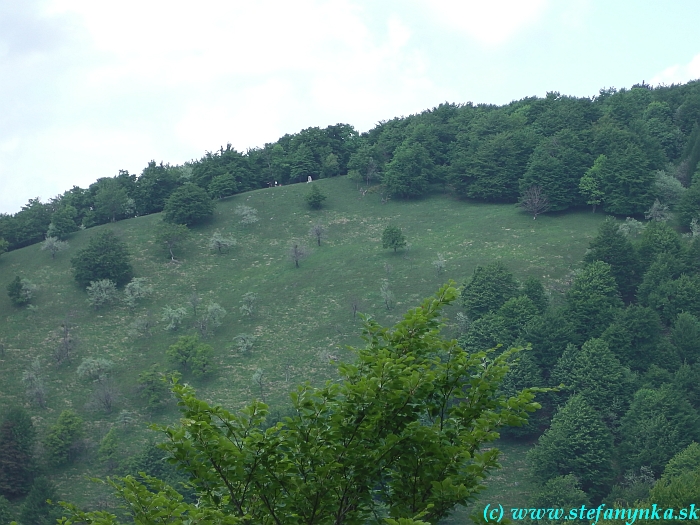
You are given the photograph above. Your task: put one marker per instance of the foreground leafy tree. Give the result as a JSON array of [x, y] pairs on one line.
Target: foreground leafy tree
[[392, 237], [188, 205], [53, 246], [401, 436], [105, 257], [172, 236], [17, 435]]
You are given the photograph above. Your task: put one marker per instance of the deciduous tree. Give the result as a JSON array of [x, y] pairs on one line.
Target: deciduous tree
[[534, 201], [105, 257], [315, 198], [297, 252], [392, 237], [172, 236], [62, 437], [17, 465], [53, 246], [188, 205], [101, 293]]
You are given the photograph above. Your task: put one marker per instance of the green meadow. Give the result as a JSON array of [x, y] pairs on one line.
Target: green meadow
[[303, 319]]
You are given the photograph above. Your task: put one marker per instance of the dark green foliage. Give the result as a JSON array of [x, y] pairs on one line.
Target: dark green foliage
[[17, 465], [658, 238], [533, 289], [110, 200], [108, 453], [671, 298], [556, 166], [549, 334], [408, 173], [3, 245], [222, 186], [658, 424], [63, 436], [595, 373], [576, 443], [686, 337], [680, 491], [63, 222], [634, 335], [687, 460], [153, 388], [613, 247], [154, 186], [627, 181], [524, 373], [105, 257], [188, 205], [315, 198], [171, 236], [562, 492], [331, 167], [488, 289], [592, 300], [6, 514], [516, 313], [686, 381], [664, 268], [16, 292], [35, 509], [689, 206], [486, 332], [189, 354], [392, 237]]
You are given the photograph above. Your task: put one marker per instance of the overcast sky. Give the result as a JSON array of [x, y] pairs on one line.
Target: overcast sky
[[88, 87]]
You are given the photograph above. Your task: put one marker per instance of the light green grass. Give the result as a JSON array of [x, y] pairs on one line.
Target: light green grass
[[303, 317]]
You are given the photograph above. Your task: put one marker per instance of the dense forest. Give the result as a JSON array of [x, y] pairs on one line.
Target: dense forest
[[615, 361], [620, 150]]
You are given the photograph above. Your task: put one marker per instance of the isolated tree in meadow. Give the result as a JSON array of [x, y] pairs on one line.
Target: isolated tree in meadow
[[59, 443], [101, 293], [189, 354], [189, 204], [105, 257], [392, 237], [248, 303], [53, 246], [244, 343], [387, 295], [94, 368], [439, 264], [534, 201], [21, 291], [318, 231], [137, 289], [259, 382], [105, 395], [172, 236], [315, 198], [210, 319], [152, 387], [34, 384], [248, 215], [17, 465], [108, 453], [297, 252], [173, 316], [220, 243], [402, 433]]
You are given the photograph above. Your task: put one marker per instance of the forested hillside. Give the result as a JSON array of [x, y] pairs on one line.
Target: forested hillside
[[247, 291], [605, 151]]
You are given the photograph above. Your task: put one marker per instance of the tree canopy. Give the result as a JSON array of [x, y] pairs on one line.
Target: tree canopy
[[105, 257]]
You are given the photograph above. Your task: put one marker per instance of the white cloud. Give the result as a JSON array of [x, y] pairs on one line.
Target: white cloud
[[678, 74], [490, 22]]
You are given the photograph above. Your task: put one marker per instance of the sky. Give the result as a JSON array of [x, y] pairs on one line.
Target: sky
[[90, 88]]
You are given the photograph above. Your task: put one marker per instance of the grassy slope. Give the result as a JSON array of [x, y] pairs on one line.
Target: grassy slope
[[303, 314]]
